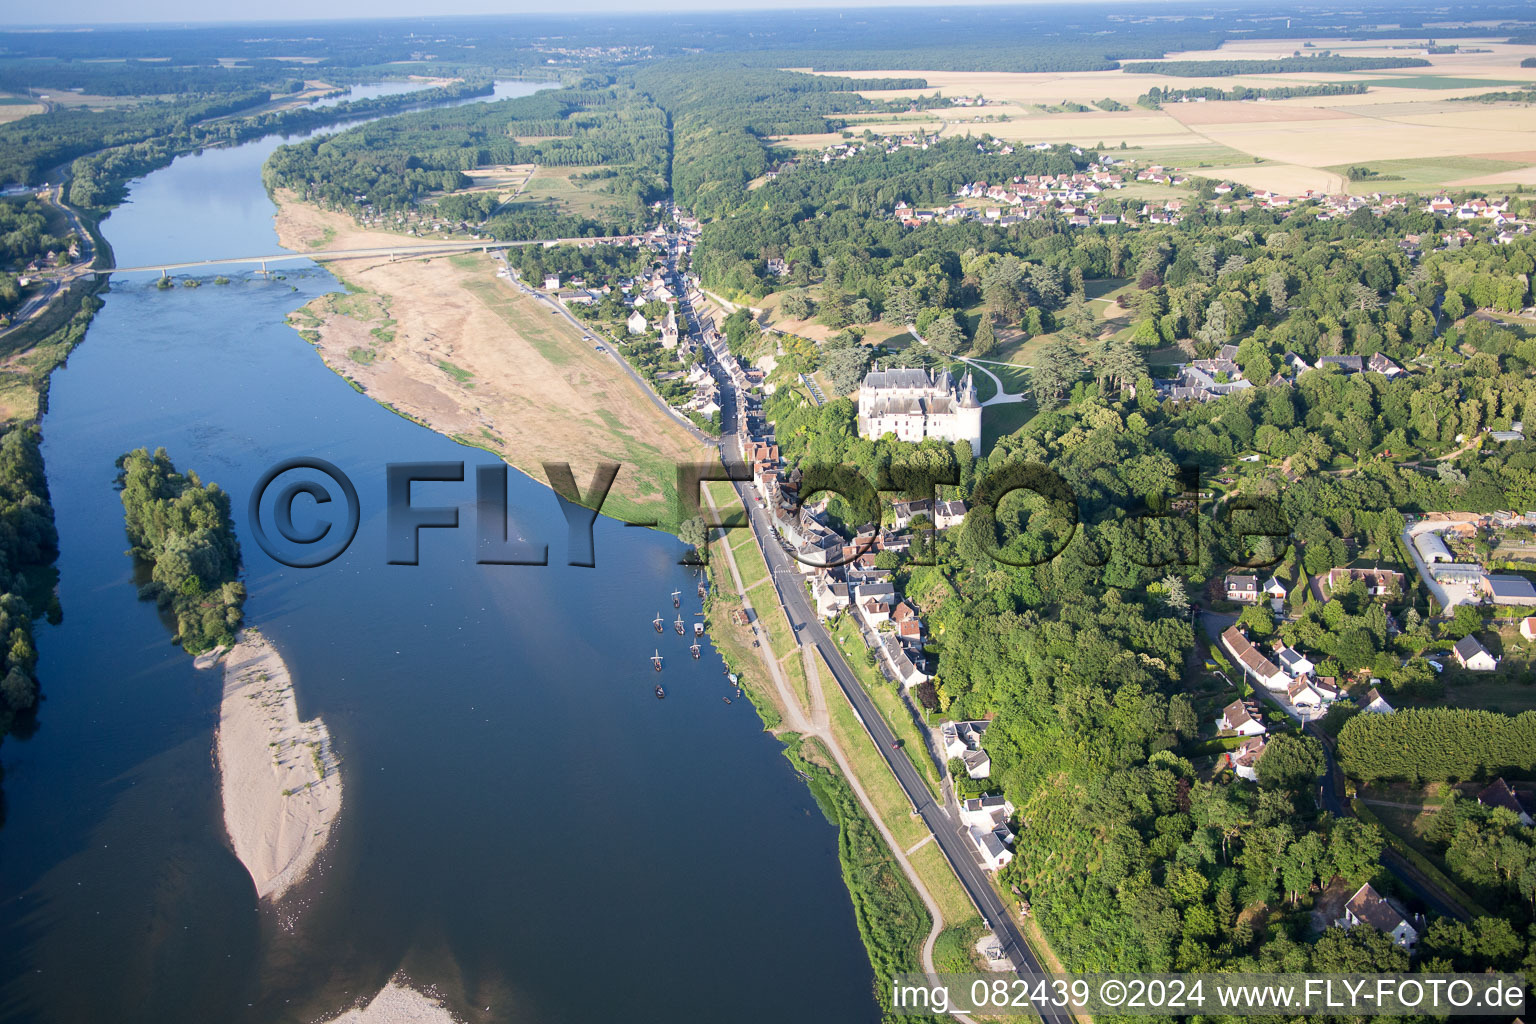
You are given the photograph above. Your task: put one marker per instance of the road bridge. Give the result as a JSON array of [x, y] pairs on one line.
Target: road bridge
[[391, 252]]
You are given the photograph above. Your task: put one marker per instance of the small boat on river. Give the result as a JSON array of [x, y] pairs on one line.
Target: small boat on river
[[656, 661], [657, 623]]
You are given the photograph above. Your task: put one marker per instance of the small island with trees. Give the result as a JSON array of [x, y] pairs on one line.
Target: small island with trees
[[181, 530]]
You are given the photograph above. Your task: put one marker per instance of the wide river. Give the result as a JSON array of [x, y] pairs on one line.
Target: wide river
[[525, 826]]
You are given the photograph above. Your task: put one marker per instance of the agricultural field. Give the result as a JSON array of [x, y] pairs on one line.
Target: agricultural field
[[1284, 145], [555, 185]]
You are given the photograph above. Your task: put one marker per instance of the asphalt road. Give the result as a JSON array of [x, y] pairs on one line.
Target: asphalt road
[[947, 832]]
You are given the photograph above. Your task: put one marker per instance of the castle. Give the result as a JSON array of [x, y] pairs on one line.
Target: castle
[[914, 404]]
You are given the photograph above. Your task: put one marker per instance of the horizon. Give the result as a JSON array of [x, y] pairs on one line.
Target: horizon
[[86, 15]]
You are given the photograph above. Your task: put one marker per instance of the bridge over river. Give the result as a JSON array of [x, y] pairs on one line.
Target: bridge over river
[[391, 252]]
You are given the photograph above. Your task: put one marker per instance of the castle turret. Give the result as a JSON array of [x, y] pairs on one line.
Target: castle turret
[[968, 399]]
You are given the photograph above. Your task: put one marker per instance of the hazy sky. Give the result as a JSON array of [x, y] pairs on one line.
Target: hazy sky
[[93, 12]]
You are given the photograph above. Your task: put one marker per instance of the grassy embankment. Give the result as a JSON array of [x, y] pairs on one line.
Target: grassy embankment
[[890, 703], [891, 918]]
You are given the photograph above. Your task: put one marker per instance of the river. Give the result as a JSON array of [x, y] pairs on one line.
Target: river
[[526, 827]]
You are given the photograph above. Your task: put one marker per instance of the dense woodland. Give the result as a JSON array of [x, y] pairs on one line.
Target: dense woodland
[[28, 545], [1081, 648], [182, 532], [1321, 62]]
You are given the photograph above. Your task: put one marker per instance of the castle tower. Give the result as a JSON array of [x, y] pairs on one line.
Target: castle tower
[[969, 415]]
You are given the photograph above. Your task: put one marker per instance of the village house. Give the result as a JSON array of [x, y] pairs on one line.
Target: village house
[[1245, 758], [551, 282], [1251, 661], [1293, 663], [990, 847], [1243, 589], [1473, 656], [1367, 907], [948, 513], [1375, 703], [906, 669], [986, 812], [1311, 694], [1528, 628], [873, 603], [831, 596], [1499, 794], [1240, 717], [963, 740], [1274, 590], [1378, 582], [637, 323]]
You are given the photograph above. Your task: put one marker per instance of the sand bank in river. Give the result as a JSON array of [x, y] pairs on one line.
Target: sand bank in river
[[453, 346], [397, 1004], [282, 787]]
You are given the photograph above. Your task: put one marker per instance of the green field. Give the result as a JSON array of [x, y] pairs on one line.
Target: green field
[[890, 704], [553, 185], [1439, 82], [1197, 154], [1424, 171]]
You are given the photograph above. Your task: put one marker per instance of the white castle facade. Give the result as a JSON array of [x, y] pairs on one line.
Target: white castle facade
[[914, 404]]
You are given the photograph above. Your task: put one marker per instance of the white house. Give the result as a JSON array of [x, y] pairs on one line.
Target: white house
[[831, 597], [1305, 692], [1375, 703], [1528, 628], [873, 602], [1473, 656], [1274, 590], [1243, 589], [1245, 758], [1253, 663], [1368, 908], [986, 811], [551, 282], [637, 323], [994, 853], [1499, 794], [1293, 663], [1240, 718], [963, 740]]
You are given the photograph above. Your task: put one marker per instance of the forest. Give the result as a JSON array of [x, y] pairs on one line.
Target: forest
[[1322, 62], [398, 163], [29, 543], [1155, 97], [182, 532], [1067, 622]]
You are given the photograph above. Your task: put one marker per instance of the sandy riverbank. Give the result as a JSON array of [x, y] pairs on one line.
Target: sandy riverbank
[[281, 783], [398, 1004], [450, 344]]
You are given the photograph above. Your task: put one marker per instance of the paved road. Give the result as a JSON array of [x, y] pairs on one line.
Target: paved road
[[946, 830]]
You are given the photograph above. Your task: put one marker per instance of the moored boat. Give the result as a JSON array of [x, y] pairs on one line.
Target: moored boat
[[656, 660], [657, 623]]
